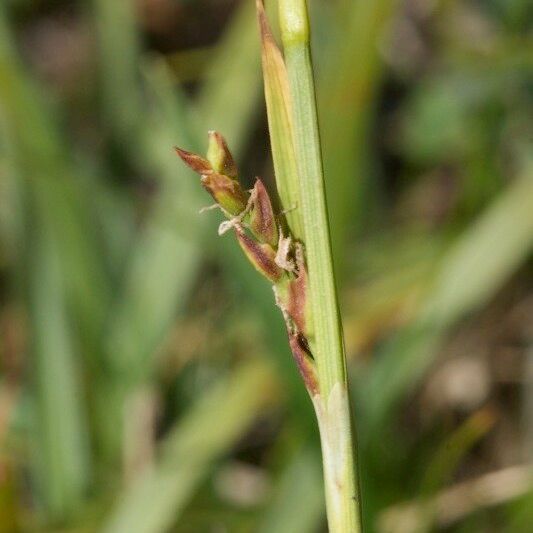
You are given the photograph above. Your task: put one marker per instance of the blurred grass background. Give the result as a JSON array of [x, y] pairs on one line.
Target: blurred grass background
[[146, 384]]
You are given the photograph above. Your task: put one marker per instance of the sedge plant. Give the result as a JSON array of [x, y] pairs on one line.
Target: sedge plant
[[293, 249]]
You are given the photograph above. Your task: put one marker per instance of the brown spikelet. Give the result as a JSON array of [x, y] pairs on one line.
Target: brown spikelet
[[226, 192], [260, 255], [220, 156], [262, 219], [194, 162]]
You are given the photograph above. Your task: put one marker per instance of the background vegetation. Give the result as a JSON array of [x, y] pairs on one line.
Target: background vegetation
[[146, 383]]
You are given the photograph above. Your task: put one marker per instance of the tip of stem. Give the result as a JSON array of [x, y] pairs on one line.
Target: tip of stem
[[293, 22]]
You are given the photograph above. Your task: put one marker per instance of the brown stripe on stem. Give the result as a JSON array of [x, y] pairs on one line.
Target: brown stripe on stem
[[304, 362], [297, 300]]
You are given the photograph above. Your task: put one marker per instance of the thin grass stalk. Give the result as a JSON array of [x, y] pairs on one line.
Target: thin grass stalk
[[297, 263], [332, 403]]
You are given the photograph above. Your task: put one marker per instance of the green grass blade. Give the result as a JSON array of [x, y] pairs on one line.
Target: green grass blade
[[61, 445], [453, 449], [298, 505], [209, 429], [473, 270]]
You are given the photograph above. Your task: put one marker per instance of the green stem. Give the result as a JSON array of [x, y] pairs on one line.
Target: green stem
[[332, 404]]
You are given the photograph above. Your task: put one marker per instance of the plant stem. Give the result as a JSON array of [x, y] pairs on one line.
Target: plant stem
[[332, 403]]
